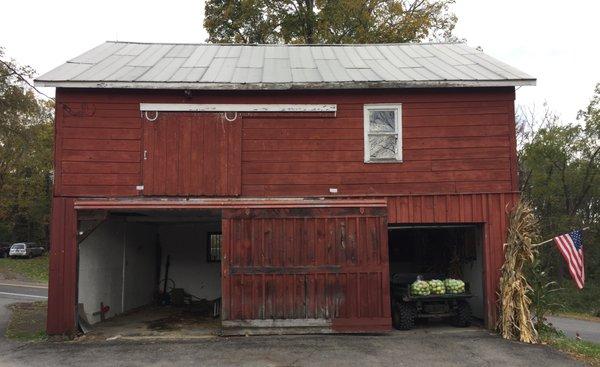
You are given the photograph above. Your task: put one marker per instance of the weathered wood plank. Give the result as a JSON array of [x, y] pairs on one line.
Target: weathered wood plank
[[453, 139]]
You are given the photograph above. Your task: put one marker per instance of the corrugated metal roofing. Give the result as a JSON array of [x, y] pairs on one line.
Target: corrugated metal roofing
[[211, 66]]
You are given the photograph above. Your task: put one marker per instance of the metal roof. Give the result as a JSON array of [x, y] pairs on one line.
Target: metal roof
[[233, 66]]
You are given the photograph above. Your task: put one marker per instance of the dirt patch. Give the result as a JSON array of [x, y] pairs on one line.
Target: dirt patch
[[166, 323], [28, 321]]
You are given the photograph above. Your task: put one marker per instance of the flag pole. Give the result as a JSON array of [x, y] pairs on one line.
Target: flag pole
[[552, 239]]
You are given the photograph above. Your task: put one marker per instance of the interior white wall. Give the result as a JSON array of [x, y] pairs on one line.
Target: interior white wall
[[101, 270], [473, 273], [141, 279], [187, 246], [117, 267]]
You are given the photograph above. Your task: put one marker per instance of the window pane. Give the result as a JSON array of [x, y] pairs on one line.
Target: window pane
[[214, 247], [382, 120], [383, 146]]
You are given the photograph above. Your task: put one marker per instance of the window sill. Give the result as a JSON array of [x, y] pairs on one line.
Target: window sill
[[384, 161]]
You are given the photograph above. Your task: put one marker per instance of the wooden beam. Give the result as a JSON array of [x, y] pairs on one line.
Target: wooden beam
[[209, 203], [196, 107], [82, 235], [163, 219], [92, 215]]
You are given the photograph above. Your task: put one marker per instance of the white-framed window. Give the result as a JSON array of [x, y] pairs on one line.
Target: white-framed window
[[383, 132]]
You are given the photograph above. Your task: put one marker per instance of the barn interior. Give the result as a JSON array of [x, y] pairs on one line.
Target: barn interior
[[149, 272], [439, 252]]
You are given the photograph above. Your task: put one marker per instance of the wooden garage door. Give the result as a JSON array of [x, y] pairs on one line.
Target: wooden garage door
[[192, 154], [320, 267]]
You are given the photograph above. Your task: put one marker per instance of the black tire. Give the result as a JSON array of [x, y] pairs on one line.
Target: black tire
[[463, 315], [403, 316]]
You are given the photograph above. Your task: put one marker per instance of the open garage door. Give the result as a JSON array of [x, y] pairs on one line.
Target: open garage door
[[323, 269], [437, 251]]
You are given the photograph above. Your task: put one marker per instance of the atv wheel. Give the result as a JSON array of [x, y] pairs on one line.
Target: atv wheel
[[403, 316], [463, 315]]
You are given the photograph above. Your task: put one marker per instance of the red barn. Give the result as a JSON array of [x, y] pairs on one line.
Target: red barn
[[288, 182]]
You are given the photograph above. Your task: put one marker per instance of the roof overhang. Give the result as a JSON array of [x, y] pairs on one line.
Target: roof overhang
[[284, 86]]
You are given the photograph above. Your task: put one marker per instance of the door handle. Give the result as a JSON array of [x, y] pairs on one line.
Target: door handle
[[145, 154]]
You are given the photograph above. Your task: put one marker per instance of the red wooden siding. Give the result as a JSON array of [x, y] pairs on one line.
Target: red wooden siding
[[98, 148], [486, 209], [62, 294], [455, 140], [191, 154], [459, 166], [306, 264], [447, 147]]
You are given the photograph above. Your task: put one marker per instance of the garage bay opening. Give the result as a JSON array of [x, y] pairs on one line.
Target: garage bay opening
[[148, 273], [428, 266]]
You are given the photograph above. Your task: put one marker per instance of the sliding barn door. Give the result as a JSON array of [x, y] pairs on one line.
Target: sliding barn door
[[319, 268], [192, 154]]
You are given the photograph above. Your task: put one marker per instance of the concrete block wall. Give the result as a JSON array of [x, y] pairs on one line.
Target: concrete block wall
[[117, 268], [141, 275], [187, 246]]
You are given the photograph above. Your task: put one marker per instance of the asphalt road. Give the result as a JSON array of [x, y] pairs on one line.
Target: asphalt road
[[587, 330], [13, 292], [444, 346], [18, 291], [440, 346]]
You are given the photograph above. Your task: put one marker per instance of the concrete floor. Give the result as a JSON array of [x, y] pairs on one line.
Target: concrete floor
[[155, 322], [437, 346]]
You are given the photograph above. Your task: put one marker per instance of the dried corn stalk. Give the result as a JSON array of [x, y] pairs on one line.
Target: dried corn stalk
[[515, 317]]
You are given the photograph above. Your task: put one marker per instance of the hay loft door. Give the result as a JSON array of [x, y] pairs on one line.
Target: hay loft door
[[191, 154]]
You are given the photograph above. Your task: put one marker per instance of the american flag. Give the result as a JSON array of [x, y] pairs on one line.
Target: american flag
[[571, 248]]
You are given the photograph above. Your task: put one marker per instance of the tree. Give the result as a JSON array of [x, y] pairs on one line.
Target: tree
[[560, 167], [560, 176], [328, 21], [25, 156]]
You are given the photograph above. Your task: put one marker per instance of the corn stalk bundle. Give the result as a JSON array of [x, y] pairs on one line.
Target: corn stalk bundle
[[515, 317]]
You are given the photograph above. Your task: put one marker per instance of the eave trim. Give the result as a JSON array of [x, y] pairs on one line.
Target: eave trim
[[285, 86]]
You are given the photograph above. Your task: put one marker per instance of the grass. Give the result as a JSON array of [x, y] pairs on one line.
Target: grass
[[27, 321], [584, 351], [584, 302], [35, 270]]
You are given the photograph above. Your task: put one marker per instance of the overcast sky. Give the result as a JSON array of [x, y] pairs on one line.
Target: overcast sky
[[555, 41]]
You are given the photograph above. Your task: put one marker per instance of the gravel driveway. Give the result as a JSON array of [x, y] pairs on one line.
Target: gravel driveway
[[441, 346]]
